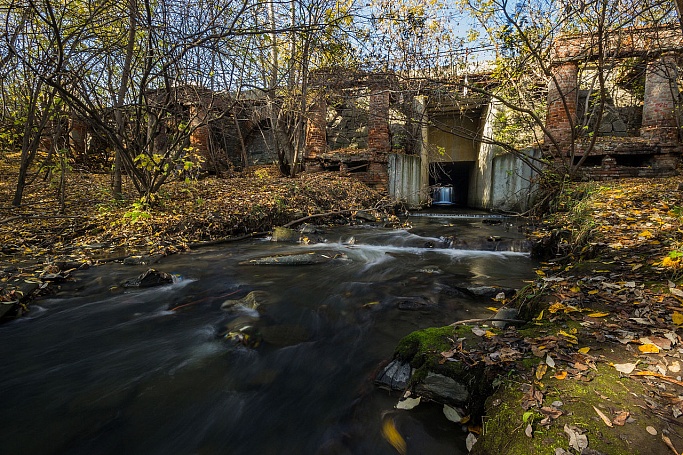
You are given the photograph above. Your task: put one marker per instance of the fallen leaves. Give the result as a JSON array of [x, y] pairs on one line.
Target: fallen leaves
[[188, 212], [604, 418], [577, 439], [392, 436], [648, 349], [621, 418], [625, 368]]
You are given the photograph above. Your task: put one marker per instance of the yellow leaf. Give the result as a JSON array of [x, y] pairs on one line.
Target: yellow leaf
[[575, 289], [584, 350], [598, 315], [393, 437], [593, 292], [489, 334], [539, 317], [541, 370], [571, 338], [648, 348], [555, 307], [677, 318], [560, 375], [645, 234], [540, 273], [494, 309]]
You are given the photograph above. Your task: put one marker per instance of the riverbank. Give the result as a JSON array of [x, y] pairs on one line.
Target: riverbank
[[41, 245], [598, 368]]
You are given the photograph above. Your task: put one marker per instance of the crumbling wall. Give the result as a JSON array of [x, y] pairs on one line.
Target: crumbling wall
[[639, 131]]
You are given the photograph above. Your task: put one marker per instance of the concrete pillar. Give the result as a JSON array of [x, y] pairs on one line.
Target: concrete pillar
[[562, 102], [378, 122], [659, 106], [420, 107], [316, 124], [200, 136]]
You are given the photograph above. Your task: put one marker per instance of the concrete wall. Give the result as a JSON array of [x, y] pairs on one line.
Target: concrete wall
[[499, 180], [455, 148], [512, 181], [479, 194], [404, 179]]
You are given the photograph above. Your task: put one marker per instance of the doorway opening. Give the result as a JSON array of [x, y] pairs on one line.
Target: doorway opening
[[449, 182]]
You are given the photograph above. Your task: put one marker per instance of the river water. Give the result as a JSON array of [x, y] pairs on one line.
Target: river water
[[99, 369]]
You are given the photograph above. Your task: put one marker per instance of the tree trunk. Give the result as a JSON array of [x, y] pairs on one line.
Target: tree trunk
[[121, 95]]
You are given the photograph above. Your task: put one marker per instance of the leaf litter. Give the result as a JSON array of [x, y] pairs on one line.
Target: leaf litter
[[614, 299]]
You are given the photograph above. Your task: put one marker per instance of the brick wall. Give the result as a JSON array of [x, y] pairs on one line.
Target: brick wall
[[78, 131], [379, 139], [316, 136], [659, 106], [562, 102], [200, 136], [659, 166]]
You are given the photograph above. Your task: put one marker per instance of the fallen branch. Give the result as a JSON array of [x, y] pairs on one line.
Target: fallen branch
[[226, 240], [39, 217], [659, 376], [317, 215], [477, 321]]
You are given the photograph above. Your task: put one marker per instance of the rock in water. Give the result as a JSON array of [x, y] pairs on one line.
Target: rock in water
[[282, 234], [296, 259], [253, 300], [394, 376], [149, 279], [443, 389]]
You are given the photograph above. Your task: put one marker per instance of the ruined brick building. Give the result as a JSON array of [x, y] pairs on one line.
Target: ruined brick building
[[639, 132], [413, 142]]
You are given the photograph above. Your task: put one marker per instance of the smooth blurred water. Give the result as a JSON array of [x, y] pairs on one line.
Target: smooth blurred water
[[99, 369]]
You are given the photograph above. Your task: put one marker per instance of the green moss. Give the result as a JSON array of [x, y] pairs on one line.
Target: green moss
[[504, 425], [423, 348], [416, 345]]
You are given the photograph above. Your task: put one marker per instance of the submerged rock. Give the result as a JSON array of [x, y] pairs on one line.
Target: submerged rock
[[478, 291], [253, 300], [284, 335], [296, 259], [414, 303], [242, 330], [149, 279]]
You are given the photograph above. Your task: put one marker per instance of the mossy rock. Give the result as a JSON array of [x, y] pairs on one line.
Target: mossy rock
[[448, 382]]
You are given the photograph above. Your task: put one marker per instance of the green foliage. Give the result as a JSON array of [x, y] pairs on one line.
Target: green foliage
[[139, 211], [261, 174]]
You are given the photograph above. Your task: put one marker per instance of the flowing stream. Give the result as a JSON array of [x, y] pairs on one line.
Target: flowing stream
[[102, 369]]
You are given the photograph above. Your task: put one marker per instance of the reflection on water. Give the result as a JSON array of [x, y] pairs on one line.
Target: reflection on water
[[99, 369]]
